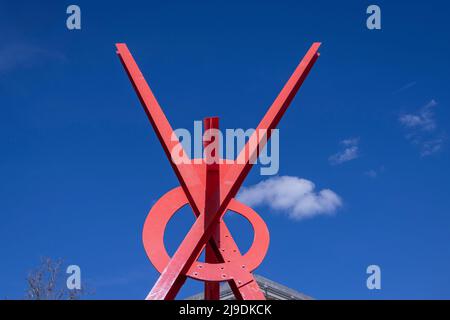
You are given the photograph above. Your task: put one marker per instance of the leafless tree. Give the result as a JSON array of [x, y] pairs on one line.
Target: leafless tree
[[48, 282]]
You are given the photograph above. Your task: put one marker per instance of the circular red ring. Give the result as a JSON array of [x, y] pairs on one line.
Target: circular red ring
[[164, 209]]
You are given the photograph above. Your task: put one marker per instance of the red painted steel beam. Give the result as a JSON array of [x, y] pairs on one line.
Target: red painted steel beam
[[191, 246], [187, 176], [221, 245], [173, 275], [212, 198], [269, 122], [185, 173]]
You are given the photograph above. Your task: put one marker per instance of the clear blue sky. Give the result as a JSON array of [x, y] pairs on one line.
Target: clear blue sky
[[80, 165]]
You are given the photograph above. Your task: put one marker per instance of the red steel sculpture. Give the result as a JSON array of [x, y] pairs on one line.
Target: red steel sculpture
[[209, 187]]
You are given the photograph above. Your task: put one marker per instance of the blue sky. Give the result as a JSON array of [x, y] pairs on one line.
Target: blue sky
[[80, 165]]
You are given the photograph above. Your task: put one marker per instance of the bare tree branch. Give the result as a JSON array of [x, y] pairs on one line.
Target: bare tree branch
[[48, 282]]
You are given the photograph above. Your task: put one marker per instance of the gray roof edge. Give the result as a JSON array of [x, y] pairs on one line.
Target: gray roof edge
[[271, 289]]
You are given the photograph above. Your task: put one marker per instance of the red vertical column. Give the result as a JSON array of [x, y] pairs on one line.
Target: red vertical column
[[211, 146]]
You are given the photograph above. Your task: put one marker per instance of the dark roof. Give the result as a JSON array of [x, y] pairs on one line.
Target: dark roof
[[272, 290]]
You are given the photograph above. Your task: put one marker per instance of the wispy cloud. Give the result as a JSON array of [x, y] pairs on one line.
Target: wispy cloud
[[350, 151], [373, 173], [423, 119], [293, 196], [422, 128], [431, 146], [22, 55], [405, 87]]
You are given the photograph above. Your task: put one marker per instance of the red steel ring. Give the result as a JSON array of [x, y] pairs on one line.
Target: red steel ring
[[165, 208]]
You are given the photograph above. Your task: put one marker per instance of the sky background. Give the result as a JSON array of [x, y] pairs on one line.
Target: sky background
[[80, 165]]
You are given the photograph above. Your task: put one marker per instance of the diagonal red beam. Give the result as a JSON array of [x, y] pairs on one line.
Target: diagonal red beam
[[167, 285], [269, 122], [185, 173]]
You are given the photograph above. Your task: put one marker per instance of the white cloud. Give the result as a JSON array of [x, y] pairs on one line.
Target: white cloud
[[291, 195], [350, 152], [431, 146], [423, 119], [421, 129], [373, 173], [350, 142]]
